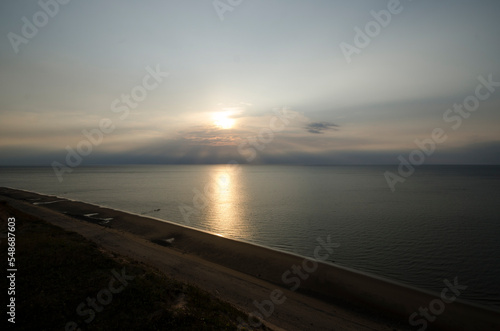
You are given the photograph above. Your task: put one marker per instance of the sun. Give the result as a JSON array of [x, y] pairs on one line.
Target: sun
[[223, 120]]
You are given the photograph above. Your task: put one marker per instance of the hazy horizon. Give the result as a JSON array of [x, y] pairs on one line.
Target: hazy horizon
[[261, 82]]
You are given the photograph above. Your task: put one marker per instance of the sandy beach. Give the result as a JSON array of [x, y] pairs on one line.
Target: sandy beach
[[288, 291]]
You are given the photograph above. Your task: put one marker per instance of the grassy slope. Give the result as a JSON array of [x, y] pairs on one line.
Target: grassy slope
[[58, 270]]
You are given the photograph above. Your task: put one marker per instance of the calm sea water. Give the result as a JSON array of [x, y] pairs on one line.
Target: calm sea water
[[442, 223]]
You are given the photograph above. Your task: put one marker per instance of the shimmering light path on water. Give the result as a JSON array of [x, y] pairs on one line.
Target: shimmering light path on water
[[443, 222]]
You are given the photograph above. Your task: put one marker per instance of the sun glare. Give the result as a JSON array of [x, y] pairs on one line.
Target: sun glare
[[223, 120]]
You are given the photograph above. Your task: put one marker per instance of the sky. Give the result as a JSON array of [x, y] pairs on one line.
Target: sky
[[254, 82]]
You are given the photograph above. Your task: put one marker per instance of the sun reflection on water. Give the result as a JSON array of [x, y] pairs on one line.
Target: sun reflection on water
[[224, 216]]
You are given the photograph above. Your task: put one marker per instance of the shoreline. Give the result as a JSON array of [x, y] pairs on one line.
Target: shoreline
[[90, 216], [113, 283], [336, 286]]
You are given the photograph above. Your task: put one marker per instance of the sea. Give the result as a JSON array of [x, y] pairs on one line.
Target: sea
[[441, 223]]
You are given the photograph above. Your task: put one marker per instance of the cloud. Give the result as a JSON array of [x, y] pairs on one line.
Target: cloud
[[210, 135], [320, 127]]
